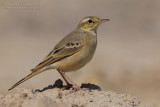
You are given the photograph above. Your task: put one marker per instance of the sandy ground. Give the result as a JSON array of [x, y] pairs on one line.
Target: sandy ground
[[57, 96], [127, 57]]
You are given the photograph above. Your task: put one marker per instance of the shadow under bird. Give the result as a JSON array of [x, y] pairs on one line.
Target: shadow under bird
[[73, 52]]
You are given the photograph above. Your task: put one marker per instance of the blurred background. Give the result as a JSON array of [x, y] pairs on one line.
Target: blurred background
[[127, 59]]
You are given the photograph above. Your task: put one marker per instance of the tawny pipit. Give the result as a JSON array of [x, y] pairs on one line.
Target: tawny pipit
[[72, 52]]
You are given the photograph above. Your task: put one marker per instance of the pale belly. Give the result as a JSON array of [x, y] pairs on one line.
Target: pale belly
[[77, 60]]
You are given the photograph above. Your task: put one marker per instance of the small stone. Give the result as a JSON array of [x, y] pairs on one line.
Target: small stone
[[109, 100]]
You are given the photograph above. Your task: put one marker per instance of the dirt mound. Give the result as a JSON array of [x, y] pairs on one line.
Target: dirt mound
[[57, 96]]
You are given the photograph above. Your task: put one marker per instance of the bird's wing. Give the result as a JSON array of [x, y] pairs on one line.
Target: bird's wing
[[63, 49]]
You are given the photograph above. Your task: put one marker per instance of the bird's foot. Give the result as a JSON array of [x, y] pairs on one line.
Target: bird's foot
[[76, 87], [68, 86]]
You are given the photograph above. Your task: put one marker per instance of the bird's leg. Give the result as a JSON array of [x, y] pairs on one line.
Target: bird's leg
[[66, 78], [62, 74], [76, 87]]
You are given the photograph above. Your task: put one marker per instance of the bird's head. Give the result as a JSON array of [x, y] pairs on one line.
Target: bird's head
[[91, 23]]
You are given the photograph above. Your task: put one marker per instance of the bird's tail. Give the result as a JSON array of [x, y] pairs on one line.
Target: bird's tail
[[33, 73]]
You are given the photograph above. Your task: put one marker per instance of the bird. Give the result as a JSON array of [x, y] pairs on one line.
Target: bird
[[73, 52]]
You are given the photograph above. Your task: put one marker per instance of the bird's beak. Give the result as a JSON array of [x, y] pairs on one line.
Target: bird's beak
[[103, 20]]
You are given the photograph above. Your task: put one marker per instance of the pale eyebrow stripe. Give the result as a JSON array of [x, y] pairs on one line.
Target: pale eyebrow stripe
[[84, 20]]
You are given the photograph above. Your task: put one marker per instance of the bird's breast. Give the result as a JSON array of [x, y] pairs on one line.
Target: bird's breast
[[81, 58]]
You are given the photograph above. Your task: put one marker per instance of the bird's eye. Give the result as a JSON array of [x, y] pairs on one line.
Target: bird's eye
[[90, 21]]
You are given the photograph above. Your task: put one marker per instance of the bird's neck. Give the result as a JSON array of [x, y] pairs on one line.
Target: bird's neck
[[93, 32]]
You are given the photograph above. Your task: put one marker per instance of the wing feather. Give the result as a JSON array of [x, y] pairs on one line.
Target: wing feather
[[68, 46], [57, 55]]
